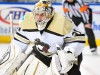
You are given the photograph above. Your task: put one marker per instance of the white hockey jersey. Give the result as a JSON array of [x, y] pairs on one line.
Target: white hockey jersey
[[60, 31]]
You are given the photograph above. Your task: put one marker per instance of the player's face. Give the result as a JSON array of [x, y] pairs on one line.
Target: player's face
[[70, 0], [39, 17]]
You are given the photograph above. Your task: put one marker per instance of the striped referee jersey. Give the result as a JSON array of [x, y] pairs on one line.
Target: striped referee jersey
[[76, 8]]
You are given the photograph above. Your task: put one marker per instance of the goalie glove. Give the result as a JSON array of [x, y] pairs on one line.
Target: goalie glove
[[66, 59]]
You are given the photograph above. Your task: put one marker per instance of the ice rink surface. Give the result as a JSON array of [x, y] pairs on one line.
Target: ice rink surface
[[90, 64]]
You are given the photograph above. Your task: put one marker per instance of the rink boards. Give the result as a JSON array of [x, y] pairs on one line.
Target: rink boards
[[19, 9]]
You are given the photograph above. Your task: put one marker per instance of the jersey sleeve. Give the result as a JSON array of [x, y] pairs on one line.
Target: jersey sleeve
[[20, 38], [66, 10], [76, 40], [84, 11]]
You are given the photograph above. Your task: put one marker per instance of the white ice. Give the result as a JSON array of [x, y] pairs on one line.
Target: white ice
[[90, 64]]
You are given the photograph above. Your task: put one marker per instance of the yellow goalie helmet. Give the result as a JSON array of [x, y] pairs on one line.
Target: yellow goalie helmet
[[43, 7]]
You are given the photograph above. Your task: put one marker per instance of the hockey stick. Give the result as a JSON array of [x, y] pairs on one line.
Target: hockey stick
[[9, 60], [11, 31], [11, 24]]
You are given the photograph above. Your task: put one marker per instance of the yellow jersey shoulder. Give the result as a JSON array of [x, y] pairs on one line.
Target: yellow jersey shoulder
[[28, 21], [60, 24]]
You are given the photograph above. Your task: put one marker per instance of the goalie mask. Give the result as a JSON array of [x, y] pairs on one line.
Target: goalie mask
[[43, 12]]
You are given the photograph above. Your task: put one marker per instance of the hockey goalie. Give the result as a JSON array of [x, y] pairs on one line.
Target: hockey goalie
[[46, 43]]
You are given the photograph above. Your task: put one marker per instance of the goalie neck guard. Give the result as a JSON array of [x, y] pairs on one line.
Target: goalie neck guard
[[43, 7]]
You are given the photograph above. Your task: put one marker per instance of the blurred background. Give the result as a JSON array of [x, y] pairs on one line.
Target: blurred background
[[58, 1], [90, 64], [19, 7]]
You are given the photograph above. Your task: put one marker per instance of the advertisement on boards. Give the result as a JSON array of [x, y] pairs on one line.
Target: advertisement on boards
[[18, 10], [96, 20]]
